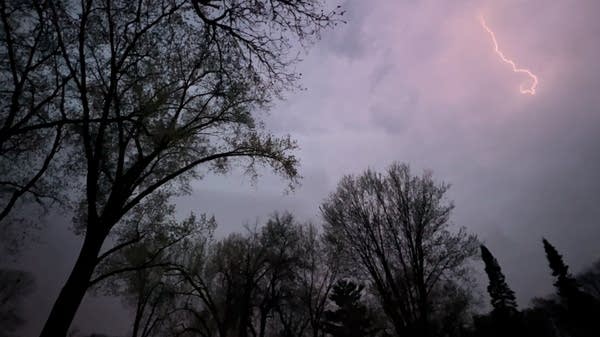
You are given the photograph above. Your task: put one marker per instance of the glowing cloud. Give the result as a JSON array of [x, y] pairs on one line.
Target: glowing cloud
[[534, 80]]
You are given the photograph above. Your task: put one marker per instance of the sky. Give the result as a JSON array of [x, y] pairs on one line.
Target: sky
[[419, 82]]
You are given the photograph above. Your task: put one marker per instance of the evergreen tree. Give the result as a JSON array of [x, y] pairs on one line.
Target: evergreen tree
[[352, 318], [579, 311], [502, 297], [567, 286]]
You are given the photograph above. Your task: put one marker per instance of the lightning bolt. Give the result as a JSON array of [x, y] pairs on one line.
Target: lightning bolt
[[534, 80]]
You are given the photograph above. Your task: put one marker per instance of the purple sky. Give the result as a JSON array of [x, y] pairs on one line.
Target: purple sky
[[418, 82]]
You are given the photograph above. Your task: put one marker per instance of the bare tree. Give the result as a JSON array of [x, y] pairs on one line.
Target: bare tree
[[243, 282], [32, 102], [272, 280], [148, 95], [265, 282], [315, 279], [395, 228]]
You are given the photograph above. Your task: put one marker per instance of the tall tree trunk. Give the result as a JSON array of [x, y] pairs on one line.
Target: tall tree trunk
[[263, 322], [74, 290], [423, 311], [245, 314]]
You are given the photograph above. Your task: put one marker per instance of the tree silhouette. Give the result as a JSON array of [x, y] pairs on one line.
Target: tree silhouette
[[138, 268], [351, 318], [141, 97], [315, 278], [32, 101], [590, 280], [502, 297], [250, 284], [565, 283], [394, 229], [579, 311], [504, 320]]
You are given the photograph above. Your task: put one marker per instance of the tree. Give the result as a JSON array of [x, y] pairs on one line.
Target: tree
[[590, 280], [395, 229], [505, 319], [316, 278], [150, 94], [32, 103], [282, 241], [541, 319], [453, 308], [565, 283], [351, 318], [245, 284], [579, 311], [222, 281], [502, 297], [141, 266]]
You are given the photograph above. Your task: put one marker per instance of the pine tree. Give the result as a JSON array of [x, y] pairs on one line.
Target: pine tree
[[567, 286], [502, 297], [352, 318], [580, 311]]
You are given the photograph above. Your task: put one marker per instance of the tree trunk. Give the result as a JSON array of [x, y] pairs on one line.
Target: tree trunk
[[263, 322], [423, 311], [74, 290]]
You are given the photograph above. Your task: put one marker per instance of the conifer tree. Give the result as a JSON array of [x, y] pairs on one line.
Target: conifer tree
[[565, 283], [502, 297], [580, 311], [352, 318]]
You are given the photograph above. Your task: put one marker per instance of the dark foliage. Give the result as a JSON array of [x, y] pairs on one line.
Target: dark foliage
[[351, 317], [589, 280], [502, 297], [577, 312], [284, 279], [394, 230], [139, 97], [566, 285]]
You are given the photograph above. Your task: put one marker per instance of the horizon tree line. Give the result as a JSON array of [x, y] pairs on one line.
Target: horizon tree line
[[287, 278]]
